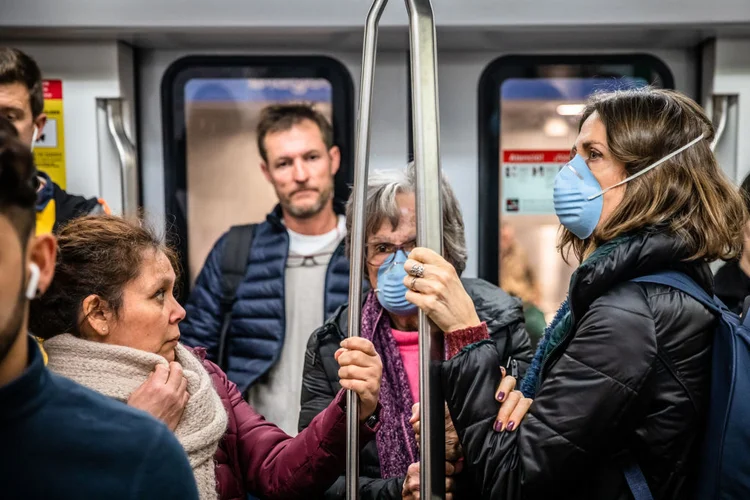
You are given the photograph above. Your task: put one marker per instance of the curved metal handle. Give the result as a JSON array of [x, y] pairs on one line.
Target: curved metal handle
[[126, 150], [429, 234], [723, 106], [359, 195], [426, 125]]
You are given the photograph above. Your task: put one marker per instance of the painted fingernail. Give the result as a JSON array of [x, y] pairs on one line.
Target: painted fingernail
[[498, 427], [500, 396], [510, 426]]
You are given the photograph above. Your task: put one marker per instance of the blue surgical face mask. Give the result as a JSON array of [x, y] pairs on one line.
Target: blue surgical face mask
[[391, 290], [577, 199], [578, 195]]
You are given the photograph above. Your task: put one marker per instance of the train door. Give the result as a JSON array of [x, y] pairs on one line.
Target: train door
[[211, 109], [205, 175]]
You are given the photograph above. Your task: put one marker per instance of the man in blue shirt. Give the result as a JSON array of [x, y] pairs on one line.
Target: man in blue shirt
[[59, 440]]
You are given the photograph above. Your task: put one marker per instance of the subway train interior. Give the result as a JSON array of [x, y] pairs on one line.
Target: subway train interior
[[153, 106], [158, 100]]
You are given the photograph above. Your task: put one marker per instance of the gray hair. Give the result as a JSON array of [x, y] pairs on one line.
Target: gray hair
[[381, 205]]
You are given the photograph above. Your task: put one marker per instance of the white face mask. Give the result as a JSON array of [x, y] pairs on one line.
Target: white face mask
[[34, 137]]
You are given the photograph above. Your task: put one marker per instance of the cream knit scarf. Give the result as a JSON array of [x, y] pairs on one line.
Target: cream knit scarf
[[117, 372]]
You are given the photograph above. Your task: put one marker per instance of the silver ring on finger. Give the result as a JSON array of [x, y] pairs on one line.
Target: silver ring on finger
[[413, 283], [417, 270]]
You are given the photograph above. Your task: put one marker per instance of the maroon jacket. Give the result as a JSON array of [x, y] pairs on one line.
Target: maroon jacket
[[256, 457]]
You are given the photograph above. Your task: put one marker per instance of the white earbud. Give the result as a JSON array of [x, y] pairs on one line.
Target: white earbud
[[33, 286], [34, 137]]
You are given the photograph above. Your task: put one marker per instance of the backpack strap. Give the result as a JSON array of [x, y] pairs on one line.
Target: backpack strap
[[745, 307], [233, 268], [679, 281], [635, 478], [684, 283]]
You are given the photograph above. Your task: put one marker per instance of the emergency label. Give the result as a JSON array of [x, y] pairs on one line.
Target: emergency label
[[49, 148], [527, 181]]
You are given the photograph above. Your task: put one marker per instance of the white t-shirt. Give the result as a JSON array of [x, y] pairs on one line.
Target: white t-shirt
[[277, 397], [302, 244]]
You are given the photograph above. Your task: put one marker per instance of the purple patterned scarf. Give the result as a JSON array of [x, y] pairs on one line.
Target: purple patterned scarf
[[397, 444]]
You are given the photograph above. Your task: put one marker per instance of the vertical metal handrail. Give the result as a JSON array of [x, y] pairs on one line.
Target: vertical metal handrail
[[426, 129], [723, 101], [127, 152], [359, 195]]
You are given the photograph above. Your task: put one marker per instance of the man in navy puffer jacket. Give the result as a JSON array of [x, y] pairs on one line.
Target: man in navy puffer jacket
[[296, 275]]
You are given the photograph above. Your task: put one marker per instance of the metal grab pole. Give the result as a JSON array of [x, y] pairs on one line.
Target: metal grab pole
[[359, 194], [430, 235], [723, 110], [127, 152]]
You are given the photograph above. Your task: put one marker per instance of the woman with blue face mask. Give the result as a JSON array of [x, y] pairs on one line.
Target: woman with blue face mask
[[620, 380], [477, 310]]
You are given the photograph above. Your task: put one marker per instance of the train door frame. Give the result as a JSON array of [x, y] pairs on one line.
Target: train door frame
[[186, 68]]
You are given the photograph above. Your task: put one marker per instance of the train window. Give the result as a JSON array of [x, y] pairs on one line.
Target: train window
[[212, 167], [528, 120]]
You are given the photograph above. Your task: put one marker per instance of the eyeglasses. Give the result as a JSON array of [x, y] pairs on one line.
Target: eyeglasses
[[384, 253], [315, 260]]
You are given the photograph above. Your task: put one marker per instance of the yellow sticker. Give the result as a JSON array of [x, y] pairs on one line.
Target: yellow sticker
[[45, 220], [49, 148]]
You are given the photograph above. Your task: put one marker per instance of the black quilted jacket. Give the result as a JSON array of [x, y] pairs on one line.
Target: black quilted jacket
[[630, 381]]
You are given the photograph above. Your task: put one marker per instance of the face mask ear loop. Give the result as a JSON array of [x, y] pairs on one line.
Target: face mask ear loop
[[650, 167]]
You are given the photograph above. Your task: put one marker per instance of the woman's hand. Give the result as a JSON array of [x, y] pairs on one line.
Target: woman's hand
[[453, 450], [164, 394], [410, 490], [514, 405], [436, 289], [360, 371]]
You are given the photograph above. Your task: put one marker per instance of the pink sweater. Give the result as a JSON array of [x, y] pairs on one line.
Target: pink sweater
[[408, 347]]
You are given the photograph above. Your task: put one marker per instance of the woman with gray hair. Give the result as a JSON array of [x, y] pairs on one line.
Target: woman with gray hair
[[390, 321]]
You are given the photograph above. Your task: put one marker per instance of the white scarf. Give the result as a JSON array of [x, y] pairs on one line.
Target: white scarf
[[117, 372]]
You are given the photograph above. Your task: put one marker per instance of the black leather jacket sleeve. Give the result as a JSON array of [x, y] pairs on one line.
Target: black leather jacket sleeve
[[317, 394], [587, 395]]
